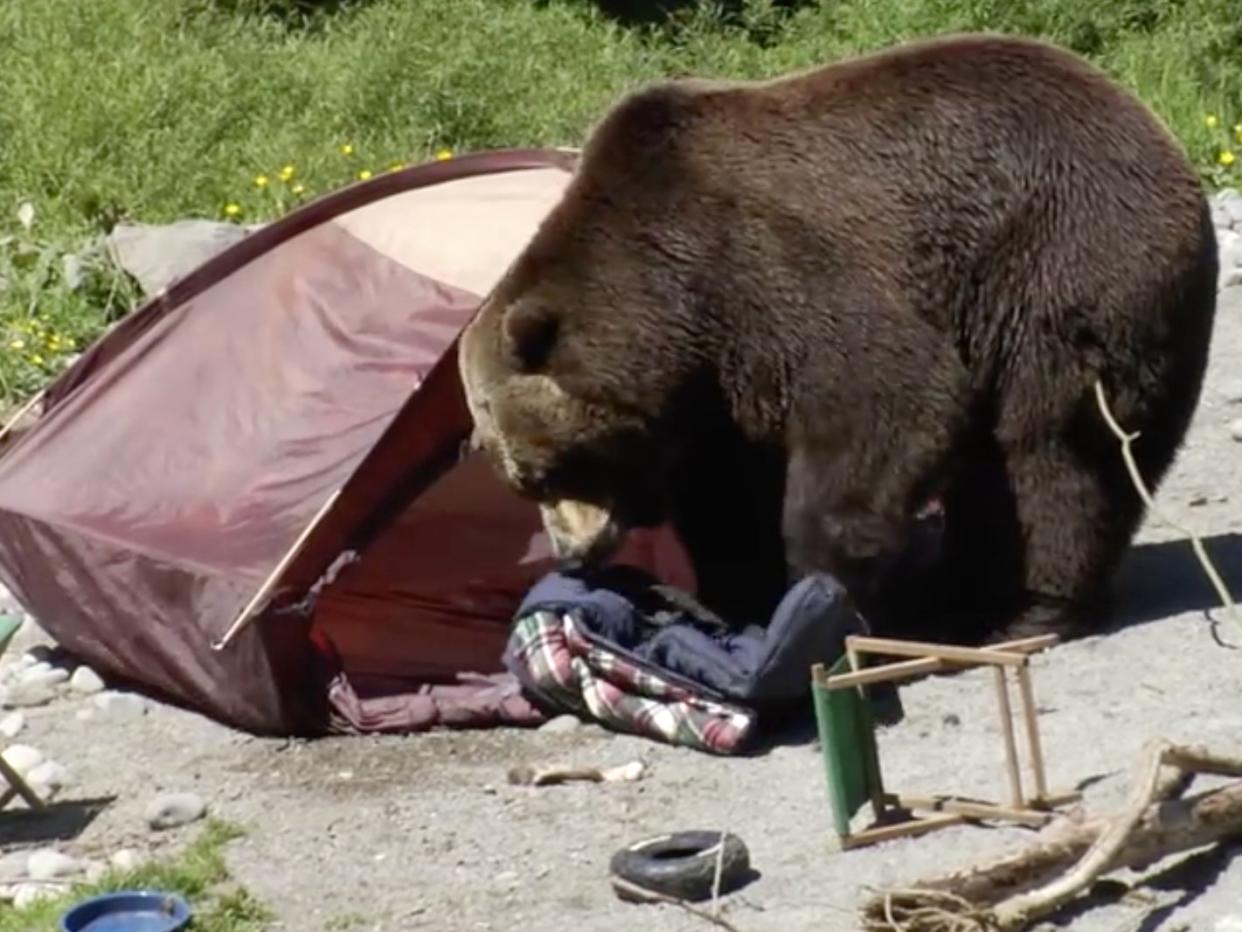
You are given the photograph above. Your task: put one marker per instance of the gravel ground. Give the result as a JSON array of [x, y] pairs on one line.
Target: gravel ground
[[424, 832]]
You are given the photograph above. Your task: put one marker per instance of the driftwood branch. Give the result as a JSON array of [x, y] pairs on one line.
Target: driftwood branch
[[1127, 453], [1011, 893]]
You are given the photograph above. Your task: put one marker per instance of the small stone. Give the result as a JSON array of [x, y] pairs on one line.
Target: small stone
[[42, 653], [29, 895], [951, 721], [1228, 203], [1235, 430], [23, 758], [126, 860], [94, 871], [561, 725], [175, 809], [120, 707], [50, 776], [86, 681], [12, 724], [44, 675], [49, 864], [24, 695]]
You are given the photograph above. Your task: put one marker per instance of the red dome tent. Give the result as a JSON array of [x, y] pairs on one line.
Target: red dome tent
[[252, 490]]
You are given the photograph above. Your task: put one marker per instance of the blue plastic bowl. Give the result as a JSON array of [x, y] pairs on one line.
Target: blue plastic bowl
[[128, 911]]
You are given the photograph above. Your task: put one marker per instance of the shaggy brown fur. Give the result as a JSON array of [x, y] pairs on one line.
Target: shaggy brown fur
[[786, 314]]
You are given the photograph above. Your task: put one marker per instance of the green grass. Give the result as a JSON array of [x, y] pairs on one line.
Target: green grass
[[157, 109], [199, 874]]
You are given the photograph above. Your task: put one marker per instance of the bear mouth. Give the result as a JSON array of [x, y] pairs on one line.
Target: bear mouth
[[582, 534]]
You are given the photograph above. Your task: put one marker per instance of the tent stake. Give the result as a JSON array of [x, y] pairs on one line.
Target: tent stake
[[248, 613]]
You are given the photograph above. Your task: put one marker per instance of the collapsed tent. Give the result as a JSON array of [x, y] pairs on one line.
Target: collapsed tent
[[251, 496]]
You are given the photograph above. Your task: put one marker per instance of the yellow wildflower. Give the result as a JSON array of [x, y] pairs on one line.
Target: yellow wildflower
[[444, 155], [18, 344], [286, 173], [232, 210], [298, 189], [1227, 158], [1210, 121], [37, 359], [395, 167], [260, 181], [347, 149], [364, 174]]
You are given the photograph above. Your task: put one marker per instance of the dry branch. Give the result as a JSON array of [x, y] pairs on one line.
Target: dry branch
[[1127, 453], [1011, 893]]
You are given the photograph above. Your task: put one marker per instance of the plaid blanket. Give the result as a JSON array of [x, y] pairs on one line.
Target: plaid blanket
[[558, 660]]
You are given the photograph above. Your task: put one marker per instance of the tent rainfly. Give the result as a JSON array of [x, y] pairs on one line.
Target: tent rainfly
[[252, 497]]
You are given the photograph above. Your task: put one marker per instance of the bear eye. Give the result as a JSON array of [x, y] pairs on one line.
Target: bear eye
[[532, 330]]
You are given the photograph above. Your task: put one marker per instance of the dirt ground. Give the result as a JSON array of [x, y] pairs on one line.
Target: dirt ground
[[424, 832]]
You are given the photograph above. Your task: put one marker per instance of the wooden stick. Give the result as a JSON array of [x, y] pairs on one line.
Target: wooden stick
[[901, 829], [1032, 730], [976, 810], [888, 671], [1011, 747], [21, 413], [1127, 454], [1011, 893], [1016, 911], [273, 577], [972, 655], [18, 783]]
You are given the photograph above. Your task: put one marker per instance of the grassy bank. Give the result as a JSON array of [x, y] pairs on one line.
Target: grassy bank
[[199, 874], [158, 109]]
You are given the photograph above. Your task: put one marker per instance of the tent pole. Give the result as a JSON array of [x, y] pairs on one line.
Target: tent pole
[[248, 613], [21, 413]]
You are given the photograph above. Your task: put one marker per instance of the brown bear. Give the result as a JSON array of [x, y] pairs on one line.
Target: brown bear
[[785, 315]]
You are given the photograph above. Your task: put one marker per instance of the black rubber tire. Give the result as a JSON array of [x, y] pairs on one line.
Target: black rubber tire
[[682, 865]]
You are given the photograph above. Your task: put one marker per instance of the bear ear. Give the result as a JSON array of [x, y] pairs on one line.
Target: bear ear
[[531, 330]]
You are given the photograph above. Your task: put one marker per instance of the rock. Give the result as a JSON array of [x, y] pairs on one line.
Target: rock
[[175, 809], [157, 256], [1228, 924], [28, 895], [42, 653], [12, 724], [42, 674], [84, 715], [1227, 205], [1229, 278], [24, 695], [94, 871], [49, 777], [127, 859], [1235, 430], [120, 707], [86, 681], [23, 758], [50, 864], [561, 724], [1229, 245]]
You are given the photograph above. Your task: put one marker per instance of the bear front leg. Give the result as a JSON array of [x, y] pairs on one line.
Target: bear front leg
[[862, 463], [726, 509]]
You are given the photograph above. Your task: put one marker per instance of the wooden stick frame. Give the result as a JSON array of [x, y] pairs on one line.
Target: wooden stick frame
[[899, 815]]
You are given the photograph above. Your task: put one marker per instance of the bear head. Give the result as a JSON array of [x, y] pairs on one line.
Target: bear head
[[579, 367]]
